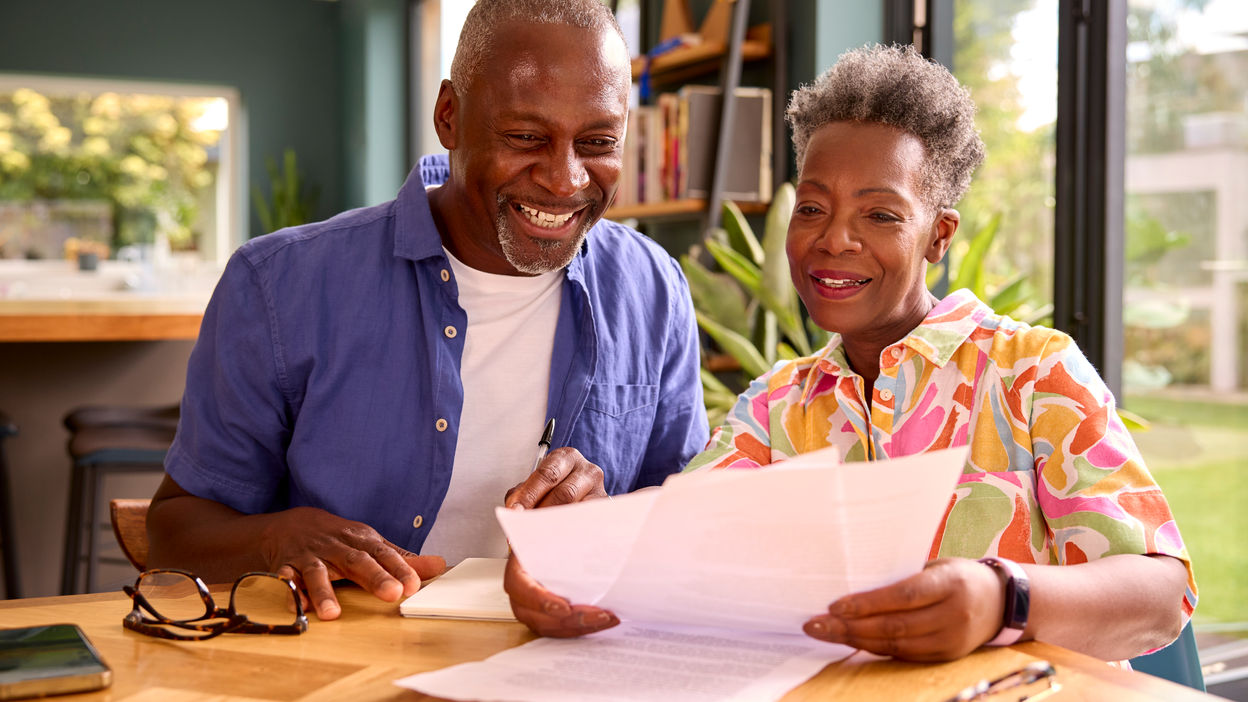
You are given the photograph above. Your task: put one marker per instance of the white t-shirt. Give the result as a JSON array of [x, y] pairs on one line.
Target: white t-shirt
[[506, 376]]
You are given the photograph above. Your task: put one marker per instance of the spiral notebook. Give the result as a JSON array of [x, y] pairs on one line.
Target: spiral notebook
[[471, 590]]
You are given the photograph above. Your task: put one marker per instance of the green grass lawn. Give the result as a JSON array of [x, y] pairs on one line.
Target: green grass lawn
[[1198, 452]]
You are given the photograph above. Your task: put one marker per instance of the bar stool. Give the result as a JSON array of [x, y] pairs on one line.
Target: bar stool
[[8, 540], [103, 441]]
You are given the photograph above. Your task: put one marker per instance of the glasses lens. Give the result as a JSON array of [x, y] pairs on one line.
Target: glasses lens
[[264, 599], [173, 595]]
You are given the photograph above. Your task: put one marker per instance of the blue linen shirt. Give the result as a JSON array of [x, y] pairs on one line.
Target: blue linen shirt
[[327, 370]]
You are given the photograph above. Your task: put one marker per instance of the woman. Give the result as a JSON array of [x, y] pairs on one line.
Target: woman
[[1082, 548], [886, 145]]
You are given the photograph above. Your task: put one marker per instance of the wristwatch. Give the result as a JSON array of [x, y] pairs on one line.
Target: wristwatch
[[1017, 600]]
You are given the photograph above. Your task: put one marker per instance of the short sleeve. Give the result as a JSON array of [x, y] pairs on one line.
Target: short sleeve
[[743, 440], [235, 420], [1097, 496]]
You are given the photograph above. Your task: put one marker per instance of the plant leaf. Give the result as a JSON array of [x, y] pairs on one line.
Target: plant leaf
[[971, 270], [1012, 296], [739, 234], [737, 266], [752, 362], [716, 295]]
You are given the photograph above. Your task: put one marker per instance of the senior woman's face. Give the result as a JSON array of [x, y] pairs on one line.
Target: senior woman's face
[[860, 233]]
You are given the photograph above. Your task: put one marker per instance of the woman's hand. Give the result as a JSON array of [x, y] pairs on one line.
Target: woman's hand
[[943, 613]]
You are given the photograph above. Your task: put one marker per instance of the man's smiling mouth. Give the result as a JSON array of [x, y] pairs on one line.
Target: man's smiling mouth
[[546, 220]]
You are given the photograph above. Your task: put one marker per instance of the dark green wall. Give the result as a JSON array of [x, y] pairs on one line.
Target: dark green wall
[[283, 56]]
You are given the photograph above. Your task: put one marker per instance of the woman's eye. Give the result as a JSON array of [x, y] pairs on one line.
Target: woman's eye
[[807, 210]]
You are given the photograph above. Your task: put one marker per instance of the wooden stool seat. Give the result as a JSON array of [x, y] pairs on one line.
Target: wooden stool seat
[[105, 440]]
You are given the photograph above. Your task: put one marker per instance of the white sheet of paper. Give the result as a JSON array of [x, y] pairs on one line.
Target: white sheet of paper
[[636, 663], [473, 589], [761, 550]]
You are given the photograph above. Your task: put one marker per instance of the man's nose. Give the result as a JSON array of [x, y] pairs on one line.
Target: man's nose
[[562, 172]]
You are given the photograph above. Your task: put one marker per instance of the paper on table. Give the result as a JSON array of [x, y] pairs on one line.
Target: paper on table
[[634, 662], [752, 549], [473, 589]]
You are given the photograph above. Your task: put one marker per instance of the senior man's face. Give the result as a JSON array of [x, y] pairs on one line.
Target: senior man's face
[[536, 144], [861, 235]]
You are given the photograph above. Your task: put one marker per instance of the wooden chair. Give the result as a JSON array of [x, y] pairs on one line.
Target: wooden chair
[[129, 519]]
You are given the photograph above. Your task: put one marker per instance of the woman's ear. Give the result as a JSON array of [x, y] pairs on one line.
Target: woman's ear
[[943, 229], [444, 109]]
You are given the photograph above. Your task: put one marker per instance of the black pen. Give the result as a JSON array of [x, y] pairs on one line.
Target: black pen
[[544, 445]]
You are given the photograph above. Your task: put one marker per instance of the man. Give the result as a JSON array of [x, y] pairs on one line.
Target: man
[[369, 387]]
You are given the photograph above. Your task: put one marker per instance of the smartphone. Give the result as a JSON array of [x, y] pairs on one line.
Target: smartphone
[[49, 660]]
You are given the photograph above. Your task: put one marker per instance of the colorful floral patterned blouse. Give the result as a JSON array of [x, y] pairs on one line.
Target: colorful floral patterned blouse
[[1053, 475]]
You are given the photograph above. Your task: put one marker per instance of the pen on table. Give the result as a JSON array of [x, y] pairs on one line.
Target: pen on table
[[544, 444]]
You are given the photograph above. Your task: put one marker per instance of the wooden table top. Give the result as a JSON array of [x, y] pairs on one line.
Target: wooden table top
[[115, 318], [359, 655]]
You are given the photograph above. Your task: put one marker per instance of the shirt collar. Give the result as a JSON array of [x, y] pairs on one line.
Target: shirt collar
[[947, 326]]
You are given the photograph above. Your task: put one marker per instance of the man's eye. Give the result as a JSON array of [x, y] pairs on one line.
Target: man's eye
[[807, 210], [523, 138], [883, 217], [600, 144]]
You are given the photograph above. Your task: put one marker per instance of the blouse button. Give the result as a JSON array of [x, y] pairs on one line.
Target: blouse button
[[886, 394], [440, 425], [896, 351], [450, 332], [418, 521], [446, 275]]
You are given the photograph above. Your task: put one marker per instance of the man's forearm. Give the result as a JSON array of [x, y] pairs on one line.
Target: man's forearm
[[209, 539]]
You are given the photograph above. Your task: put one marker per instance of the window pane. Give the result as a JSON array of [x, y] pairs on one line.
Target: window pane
[[103, 171], [1186, 298], [1005, 51]]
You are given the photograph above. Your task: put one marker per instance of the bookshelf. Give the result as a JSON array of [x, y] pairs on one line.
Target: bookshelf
[[724, 46]]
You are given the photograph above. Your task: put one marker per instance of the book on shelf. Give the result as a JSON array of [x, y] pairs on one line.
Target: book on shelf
[[670, 148]]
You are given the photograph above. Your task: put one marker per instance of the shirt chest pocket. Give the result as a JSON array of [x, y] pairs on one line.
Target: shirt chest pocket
[[615, 429]]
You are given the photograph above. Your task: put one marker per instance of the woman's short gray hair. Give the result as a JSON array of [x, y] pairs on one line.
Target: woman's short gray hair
[[476, 39], [896, 86]]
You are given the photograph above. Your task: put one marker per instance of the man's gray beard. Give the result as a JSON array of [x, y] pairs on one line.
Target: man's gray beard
[[551, 255]]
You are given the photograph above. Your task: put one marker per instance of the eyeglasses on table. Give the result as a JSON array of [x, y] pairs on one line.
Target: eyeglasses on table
[[170, 601], [1027, 675]]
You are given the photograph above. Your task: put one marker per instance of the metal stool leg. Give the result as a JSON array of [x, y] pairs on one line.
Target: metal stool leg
[[8, 538], [91, 495], [73, 533]]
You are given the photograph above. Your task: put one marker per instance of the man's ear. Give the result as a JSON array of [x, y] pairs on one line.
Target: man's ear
[[445, 108], [943, 229]]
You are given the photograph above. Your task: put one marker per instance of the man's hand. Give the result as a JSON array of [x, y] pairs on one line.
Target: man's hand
[[943, 613], [314, 548], [563, 477], [548, 614]]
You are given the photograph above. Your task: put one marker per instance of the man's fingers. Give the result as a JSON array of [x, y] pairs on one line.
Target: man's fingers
[[579, 622], [426, 566], [316, 581], [550, 472], [525, 591], [583, 482]]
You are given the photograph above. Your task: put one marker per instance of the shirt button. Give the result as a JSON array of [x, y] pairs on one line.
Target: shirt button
[[450, 332], [418, 521], [446, 275], [896, 351], [440, 425], [886, 394]]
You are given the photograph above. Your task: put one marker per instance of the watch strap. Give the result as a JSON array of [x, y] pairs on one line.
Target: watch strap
[[1017, 600]]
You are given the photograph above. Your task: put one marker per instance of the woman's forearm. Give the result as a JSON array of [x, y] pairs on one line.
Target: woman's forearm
[[1111, 608]]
